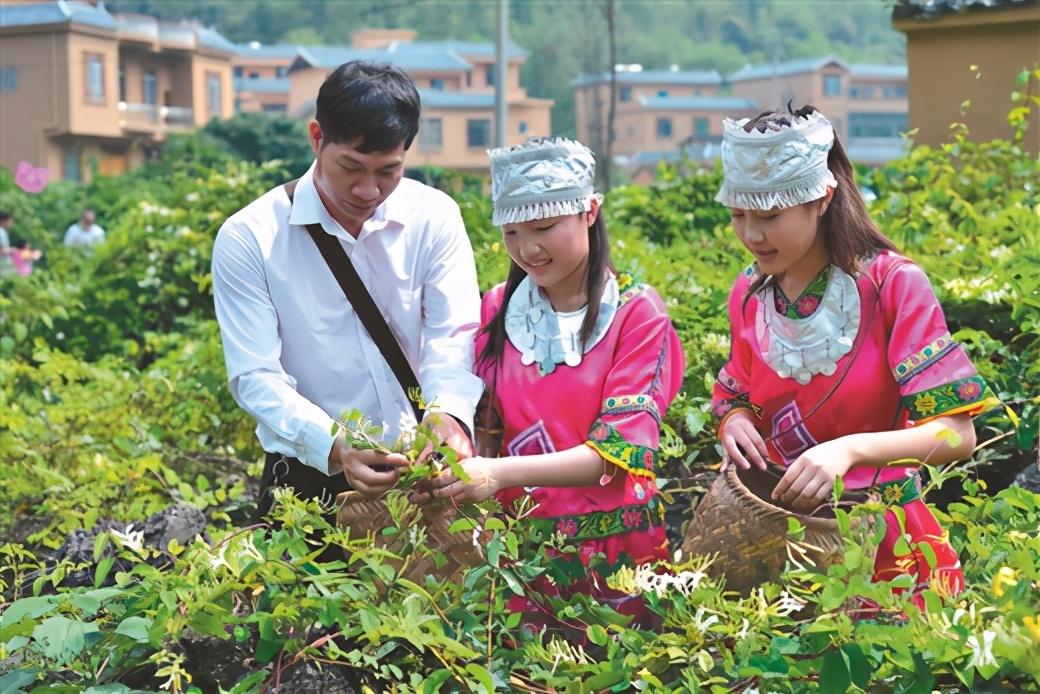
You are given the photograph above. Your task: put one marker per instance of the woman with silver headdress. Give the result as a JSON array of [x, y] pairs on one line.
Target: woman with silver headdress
[[580, 362], [841, 362]]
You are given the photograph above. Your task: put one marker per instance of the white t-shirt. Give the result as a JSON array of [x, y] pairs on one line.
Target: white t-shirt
[[78, 237]]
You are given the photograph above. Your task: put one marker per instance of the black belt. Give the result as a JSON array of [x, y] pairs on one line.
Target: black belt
[[305, 481]]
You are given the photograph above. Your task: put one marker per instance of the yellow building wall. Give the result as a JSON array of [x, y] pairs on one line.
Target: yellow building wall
[[940, 54], [41, 102], [87, 116], [201, 66]]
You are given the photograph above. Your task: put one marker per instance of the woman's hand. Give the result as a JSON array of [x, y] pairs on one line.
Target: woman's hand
[[809, 480], [739, 437], [483, 483]]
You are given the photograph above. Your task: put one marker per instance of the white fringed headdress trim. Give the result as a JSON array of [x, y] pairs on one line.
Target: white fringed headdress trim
[[543, 210], [544, 177], [778, 168]]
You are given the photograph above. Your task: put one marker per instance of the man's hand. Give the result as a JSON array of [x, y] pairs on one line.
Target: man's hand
[[450, 432], [370, 472]]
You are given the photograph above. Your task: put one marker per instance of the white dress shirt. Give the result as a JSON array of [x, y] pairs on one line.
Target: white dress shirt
[[297, 355], [77, 236]]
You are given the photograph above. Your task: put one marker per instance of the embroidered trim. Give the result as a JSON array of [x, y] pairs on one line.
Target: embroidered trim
[[625, 280], [741, 401], [599, 524], [959, 395], [631, 293], [625, 404], [923, 358], [898, 492], [807, 302], [728, 383], [609, 443]]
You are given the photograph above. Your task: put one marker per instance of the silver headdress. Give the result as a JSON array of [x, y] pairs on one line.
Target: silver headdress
[[778, 168], [544, 177]]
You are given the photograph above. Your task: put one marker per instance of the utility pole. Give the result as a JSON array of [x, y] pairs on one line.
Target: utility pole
[[501, 73]]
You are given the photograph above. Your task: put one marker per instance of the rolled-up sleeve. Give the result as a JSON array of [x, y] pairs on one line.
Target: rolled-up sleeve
[[451, 317], [287, 422]]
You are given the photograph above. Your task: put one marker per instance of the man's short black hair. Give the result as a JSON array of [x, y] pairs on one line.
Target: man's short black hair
[[375, 105], [4, 215]]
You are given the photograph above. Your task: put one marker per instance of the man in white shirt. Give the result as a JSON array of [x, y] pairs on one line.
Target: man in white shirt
[[84, 233], [296, 352]]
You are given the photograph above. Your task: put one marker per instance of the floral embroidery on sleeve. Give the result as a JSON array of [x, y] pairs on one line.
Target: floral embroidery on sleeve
[[609, 443], [966, 395], [923, 358]]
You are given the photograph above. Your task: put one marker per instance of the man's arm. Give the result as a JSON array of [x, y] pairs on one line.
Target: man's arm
[[288, 423], [451, 316], [70, 236]]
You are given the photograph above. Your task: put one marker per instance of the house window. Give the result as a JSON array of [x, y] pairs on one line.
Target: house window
[[72, 172], [700, 127], [437, 84], [254, 75], [697, 92], [431, 134], [662, 92], [273, 108], [625, 94], [877, 124], [664, 128], [894, 92], [523, 127], [213, 95], [489, 74], [478, 132], [853, 91], [151, 91], [8, 79], [832, 85], [281, 71], [94, 64], [239, 71]]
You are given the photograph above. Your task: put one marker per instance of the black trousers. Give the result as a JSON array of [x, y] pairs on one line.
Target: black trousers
[[306, 482]]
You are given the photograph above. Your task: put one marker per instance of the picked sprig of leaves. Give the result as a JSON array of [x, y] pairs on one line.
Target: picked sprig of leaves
[[360, 432]]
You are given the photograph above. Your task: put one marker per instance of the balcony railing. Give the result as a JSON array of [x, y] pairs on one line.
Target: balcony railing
[[154, 118]]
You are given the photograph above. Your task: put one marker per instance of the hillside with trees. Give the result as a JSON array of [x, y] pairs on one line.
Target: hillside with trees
[[567, 38]]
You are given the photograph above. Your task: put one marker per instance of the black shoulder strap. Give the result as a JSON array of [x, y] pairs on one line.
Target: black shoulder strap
[[354, 289]]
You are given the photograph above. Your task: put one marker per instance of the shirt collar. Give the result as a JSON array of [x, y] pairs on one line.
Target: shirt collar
[[307, 208]]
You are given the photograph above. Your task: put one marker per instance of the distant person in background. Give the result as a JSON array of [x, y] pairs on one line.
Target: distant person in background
[[5, 243], [84, 233], [14, 259]]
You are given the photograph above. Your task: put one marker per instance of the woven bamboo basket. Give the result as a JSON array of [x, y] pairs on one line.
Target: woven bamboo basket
[[361, 515], [737, 520]]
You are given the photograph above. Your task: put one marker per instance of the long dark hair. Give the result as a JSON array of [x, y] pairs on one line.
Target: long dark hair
[[850, 236], [599, 264]]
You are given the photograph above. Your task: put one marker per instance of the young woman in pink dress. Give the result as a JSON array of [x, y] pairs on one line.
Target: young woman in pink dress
[[841, 361], [580, 363]]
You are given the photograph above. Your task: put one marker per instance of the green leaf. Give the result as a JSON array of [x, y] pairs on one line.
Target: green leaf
[[135, 627], [102, 570], [480, 673], [604, 680], [433, 683], [597, 634], [12, 682], [834, 673], [26, 607], [62, 639]]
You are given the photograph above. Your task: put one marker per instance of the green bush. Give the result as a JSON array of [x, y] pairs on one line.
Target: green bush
[[113, 405]]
